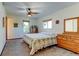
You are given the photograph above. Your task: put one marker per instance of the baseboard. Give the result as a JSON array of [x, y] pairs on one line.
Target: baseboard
[[3, 49]]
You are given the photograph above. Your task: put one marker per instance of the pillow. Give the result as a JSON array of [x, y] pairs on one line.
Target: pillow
[[49, 33]]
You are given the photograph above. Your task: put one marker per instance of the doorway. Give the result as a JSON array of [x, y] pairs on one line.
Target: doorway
[[26, 26]]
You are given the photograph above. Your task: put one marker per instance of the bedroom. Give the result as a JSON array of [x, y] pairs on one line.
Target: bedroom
[[46, 23]]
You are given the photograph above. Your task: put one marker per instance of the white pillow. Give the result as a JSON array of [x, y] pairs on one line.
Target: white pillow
[[49, 33]]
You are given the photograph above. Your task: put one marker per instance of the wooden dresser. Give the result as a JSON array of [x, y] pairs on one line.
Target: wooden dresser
[[68, 41]]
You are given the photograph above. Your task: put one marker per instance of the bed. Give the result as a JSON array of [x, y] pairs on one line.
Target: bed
[[38, 41]]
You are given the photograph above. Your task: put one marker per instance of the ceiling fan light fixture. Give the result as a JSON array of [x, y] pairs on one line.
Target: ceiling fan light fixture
[[29, 15]]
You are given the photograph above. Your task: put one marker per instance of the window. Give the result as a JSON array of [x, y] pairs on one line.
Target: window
[[47, 24], [26, 26], [71, 25]]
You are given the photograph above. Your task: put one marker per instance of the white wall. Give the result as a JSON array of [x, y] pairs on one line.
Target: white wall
[[33, 22], [18, 32], [15, 32], [69, 12], [2, 30]]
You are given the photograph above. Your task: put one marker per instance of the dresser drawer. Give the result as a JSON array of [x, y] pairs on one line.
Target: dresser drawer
[[75, 41], [69, 45]]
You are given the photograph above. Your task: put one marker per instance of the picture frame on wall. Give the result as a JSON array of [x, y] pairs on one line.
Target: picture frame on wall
[[4, 21], [15, 25], [57, 21]]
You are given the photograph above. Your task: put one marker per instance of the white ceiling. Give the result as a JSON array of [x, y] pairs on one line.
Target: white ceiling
[[44, 8]]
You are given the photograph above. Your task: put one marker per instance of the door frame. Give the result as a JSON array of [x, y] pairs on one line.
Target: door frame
[[6, 27]]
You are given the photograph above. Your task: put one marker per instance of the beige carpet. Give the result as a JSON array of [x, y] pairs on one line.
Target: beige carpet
[[19, 48]]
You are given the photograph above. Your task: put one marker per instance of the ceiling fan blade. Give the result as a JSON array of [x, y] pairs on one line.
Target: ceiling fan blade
[[35, 13], [30, 13]]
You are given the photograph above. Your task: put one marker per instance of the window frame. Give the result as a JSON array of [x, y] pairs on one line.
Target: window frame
[[47, 24], [77, 25]]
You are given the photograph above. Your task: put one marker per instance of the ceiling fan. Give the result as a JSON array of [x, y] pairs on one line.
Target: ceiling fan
[[30, 12]]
